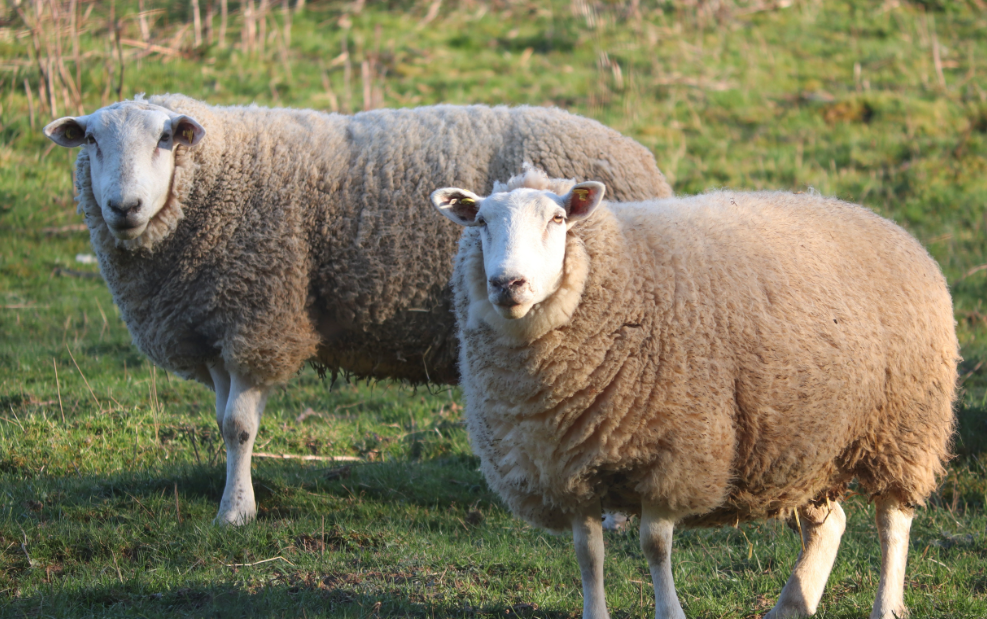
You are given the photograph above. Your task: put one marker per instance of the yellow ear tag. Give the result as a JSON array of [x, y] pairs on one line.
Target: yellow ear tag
[[71, 133], [467, 201], [188, 133], [582, 194]]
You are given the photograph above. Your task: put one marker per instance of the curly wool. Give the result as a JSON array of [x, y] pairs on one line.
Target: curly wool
[[732, 356], [532, 177], [294, 235]]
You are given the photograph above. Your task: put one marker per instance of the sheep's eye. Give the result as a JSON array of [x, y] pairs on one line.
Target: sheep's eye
[[90, 139], [164, 137], [480, 221], [558, 219]]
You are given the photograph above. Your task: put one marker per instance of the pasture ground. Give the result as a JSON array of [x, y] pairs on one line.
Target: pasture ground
[[110, 472]]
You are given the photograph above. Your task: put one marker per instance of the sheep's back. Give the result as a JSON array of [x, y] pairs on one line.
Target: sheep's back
[[310, 236], [386, 259]]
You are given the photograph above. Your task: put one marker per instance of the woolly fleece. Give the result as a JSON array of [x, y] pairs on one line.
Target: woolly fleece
[[732, 356], [295, 235]]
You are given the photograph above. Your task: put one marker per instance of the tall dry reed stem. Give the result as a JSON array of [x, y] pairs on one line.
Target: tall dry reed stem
[[84, 379], [58, 388], [286, 16], [262, 11], [207, 25], [54, 30], [196, 22], [367, 85], [248, 32], [142, 21], [154, 403], [347, 75], [224, 14], [30, 101]]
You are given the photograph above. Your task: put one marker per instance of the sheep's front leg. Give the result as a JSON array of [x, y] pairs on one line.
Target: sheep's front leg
[[894, 520], [587, 534], [822, 529], [656, 543], [239, 424]]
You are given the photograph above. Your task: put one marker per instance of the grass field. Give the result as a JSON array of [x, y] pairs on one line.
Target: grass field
[[111, 471]]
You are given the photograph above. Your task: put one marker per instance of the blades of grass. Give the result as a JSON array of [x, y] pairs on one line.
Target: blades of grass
[[93, 394], [58, 387]]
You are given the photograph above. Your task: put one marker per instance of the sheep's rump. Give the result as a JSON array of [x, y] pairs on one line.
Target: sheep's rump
[[310, 236], [734, 356]]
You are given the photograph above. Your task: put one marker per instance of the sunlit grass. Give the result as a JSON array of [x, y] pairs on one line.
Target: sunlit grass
[[107, 491]]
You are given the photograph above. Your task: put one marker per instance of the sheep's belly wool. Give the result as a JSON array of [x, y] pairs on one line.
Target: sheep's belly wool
[[733, 356], [294, 235]]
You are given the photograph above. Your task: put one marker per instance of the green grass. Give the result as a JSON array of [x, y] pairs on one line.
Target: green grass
[[108, 511]]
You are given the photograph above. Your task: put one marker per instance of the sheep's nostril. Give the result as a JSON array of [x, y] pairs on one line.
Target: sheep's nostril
[[124, 209], [509, 284]]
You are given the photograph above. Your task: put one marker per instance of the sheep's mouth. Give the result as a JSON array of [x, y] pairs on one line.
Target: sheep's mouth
[[512, 310], [508, 298], [125, 230], [505, 299]]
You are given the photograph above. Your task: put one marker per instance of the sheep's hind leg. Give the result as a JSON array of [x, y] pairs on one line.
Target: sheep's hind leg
[[822, 529], [893, 523], [656, 543], [239, 425], [614, 521], [587, 534], [221, 385]]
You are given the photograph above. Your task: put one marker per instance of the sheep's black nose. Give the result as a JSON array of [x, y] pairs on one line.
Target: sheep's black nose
[[124, 209], [508, 284]]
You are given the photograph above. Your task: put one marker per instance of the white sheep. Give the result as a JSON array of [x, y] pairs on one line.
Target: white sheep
[[702, 361], [240, 242]]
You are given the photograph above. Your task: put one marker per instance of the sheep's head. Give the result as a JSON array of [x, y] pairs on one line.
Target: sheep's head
[[523, 237], [131, 147]]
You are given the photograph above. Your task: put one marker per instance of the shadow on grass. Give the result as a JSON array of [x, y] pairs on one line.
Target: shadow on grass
[[295, 593], [971, 431], [279, 486]]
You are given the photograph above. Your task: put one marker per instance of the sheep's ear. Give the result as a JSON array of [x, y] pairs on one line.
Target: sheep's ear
[[583, 199], [459, 205], [187, 130], [68, 132]]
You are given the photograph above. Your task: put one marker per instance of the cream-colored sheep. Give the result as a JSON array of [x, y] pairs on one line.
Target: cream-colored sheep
[[240, 242], [702, 361]]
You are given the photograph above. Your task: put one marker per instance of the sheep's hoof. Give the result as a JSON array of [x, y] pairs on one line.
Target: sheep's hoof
[[901, 612], [786, 611], [234, 518]]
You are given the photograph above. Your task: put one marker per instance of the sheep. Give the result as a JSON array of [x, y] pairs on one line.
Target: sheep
[[240, 242], [701, 361]]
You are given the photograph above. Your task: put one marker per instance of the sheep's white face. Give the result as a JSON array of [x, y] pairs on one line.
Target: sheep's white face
[[523, 236], [131, 148]]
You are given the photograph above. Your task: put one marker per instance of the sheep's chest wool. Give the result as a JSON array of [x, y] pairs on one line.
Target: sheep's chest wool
[[731, 356]]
